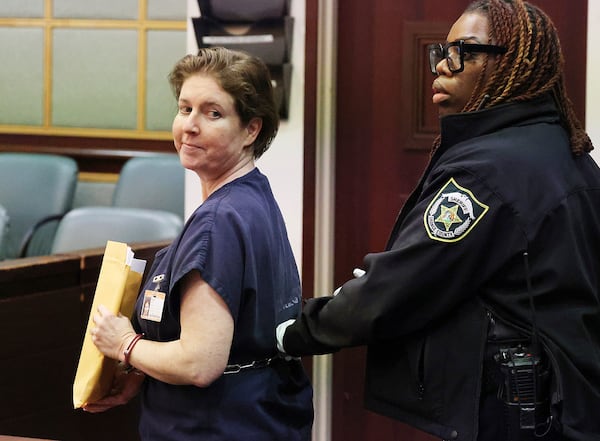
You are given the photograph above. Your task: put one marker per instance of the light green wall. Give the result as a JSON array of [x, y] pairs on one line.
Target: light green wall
[[21, 76], [104, 9], [164, 49], [22, 8], [87, 54], [94, 78]]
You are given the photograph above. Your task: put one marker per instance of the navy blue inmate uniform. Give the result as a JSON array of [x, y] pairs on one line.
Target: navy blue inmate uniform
[[238, 242], [503, 182]]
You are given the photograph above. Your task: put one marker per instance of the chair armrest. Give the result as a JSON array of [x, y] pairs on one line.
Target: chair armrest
[[29, 234]]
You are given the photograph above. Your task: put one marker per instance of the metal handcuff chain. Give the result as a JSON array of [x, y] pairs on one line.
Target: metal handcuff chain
[[256, 364]]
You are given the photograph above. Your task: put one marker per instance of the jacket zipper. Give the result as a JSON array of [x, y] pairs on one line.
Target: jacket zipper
[[421, 374]]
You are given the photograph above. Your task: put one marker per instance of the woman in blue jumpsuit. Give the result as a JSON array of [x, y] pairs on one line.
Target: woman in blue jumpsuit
[[202, 338]]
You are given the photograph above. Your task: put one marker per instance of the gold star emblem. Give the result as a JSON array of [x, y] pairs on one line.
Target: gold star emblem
[[449, 216]]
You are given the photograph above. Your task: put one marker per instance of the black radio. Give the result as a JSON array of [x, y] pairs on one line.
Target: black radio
[[526, 384]]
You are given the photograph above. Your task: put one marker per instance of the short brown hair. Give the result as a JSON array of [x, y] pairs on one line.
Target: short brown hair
[[245, 77]]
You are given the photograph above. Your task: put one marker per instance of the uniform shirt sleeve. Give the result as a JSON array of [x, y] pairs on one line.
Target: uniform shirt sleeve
[[438, 257]]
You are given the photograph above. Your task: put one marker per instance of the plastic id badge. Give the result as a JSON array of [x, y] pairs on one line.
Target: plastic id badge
[[152, 308]]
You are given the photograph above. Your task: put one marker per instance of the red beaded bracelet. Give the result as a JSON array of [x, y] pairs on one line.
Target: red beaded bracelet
[[132, 343]]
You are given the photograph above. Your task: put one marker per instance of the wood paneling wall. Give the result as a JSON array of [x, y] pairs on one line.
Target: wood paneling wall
[[96, 155]]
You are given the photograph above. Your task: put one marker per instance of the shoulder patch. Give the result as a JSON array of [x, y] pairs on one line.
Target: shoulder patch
[[453, 213]]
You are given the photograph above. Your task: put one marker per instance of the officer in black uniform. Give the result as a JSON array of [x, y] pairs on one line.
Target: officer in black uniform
[[482, 315]]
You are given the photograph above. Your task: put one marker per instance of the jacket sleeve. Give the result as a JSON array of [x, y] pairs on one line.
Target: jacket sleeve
[[438, 257]]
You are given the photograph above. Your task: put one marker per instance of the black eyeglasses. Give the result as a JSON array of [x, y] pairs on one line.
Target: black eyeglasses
[[454, 53]]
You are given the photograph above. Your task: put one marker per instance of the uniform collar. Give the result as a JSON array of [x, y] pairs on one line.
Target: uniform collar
[[460, 127]]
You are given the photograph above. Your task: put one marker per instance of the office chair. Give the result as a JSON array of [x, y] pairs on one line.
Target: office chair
[[153, 182], [91, 227], [4, 223], [34, 188]]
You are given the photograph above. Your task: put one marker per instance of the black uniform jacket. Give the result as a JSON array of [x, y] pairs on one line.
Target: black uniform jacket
[[503, 182]]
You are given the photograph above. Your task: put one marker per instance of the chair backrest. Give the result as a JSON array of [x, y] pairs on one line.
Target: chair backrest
[[90, 227], [152, 182], [4, 221], [32, 187]]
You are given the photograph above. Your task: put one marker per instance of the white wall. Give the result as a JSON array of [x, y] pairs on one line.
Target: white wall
[[283, 163], [592, 107]]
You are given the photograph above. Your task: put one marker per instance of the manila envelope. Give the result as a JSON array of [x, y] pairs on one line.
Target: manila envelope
[[117, 289]]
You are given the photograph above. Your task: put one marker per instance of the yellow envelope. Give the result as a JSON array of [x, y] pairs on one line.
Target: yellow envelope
[[117, 289]]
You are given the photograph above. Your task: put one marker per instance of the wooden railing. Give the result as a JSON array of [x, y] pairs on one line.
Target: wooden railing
[[44, 307]]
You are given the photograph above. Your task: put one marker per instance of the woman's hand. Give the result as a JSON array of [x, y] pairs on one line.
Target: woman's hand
[[111, 333], [126, 385]]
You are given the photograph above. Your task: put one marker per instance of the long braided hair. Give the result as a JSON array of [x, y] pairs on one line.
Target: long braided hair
[[532, 66]]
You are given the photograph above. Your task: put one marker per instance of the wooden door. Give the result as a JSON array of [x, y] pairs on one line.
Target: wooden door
[[385, 126]]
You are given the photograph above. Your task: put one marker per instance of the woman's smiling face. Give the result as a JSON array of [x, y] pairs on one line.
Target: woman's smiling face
[[207, 131]]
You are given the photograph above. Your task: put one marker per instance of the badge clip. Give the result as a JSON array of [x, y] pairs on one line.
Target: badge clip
[[157, 279]]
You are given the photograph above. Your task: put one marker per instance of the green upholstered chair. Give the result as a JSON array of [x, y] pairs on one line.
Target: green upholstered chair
[[152, 182], [91, 227], [4, 223], [34, 187]]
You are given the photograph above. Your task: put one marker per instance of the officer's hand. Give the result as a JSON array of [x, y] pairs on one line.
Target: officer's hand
[[357, 272]]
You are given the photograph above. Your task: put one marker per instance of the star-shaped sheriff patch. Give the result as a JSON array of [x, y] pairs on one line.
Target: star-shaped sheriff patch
[[453, 213]]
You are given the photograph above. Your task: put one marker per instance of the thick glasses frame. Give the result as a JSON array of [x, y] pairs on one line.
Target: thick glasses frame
[[439, 52]]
